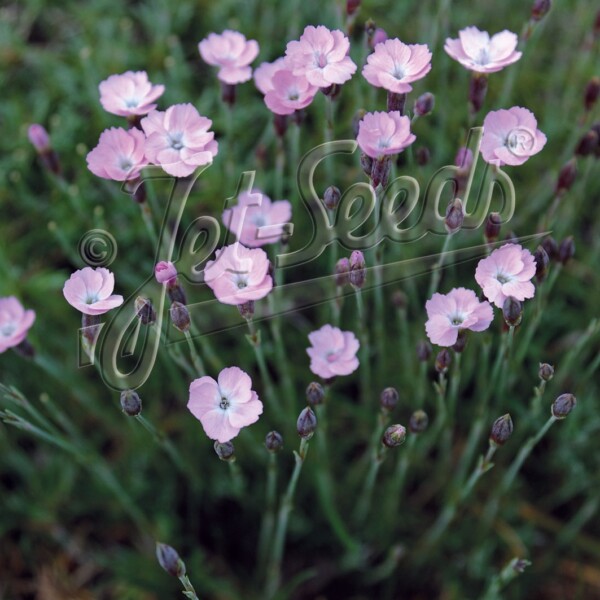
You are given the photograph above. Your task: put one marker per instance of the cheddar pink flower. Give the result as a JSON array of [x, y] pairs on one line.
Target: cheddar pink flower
[[225, 406], [395, 65], [332, 352], [129, 94], [476, 51], [239, 274], [263, 74], [290, 93], [507, 271], [382, 133], [15, 322], [179, 139], [321, 56], [510, 137], [256, 220], [90, 291], [450, 313], [165, 272], [119, 154], [232, 53]]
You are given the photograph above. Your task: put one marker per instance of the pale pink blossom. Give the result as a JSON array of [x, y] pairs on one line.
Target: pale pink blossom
[[395, 65], [39, 137], [290, 93], [507, 271], [90, 291], [263, 74], [382, 133], [119, 155], [232, 53], [321, 56], [476, 51], [256, 220], [224, 406], [179, 139], [129, 94], [379, 37], [452, 312], [165, 272], [510, 137], [15, 322], [332, 352], [239, 274]]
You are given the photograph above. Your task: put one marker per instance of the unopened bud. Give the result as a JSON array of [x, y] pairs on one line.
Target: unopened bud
[[131, 403], [540, 9], [541, 263], [423, 156], [563, 405], [566, 250], [393, 436], [455, 216], [546, 372], [352, 6], [165, 272], [418, 422], [169, 560], [180, 316], [331, 197], [389, 398], [587, 144], [493, 225], [424, 104], [477, 91], [551, 247], [145, 311], [423, 350], [501, 430], [370, 28], [342, 272], [461, 341], [592, 91], [566, 177], [378, 37], [246, 309], [39, 138], [307, 423], [315, 394], [358, 272], [274, 441], [225, 451], [512, 311], [443, 360]]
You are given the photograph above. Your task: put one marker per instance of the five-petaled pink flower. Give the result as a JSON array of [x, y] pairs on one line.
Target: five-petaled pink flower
[[476, 51], [321, 56], [507, 271], [332, 352], [165, 272], [232, 53], [510, 137], [263, 74], [382, 133], [15, 322], [119, 155], [90, 291], [458, 309], [129, 94], [289, 93], [395, 65], [256, 220], [239, 274], [226, 405], [179, 139]]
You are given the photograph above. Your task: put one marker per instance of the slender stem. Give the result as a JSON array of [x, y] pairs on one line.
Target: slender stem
[[161, 439], [268, 522], [364, 347], [236, 477], [190, 592], [436, 273], [196, 360], [149, 223]]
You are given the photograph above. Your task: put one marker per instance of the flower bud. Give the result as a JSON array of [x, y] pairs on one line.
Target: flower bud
[[399, 299], [493, 224], [566, 177], [461, 341], [176, 293], [165, 272], [587, 144], [169, 560], [512, 311], [378, 37], [24, 349], [307, 423], [358, 273], [366, 164], [352, 6], [393, 436], [342, 272], [566, 250], [477, 91], [423, 156], [225, 451], [551, 247], [389, 399], [541, 263], [423, 350], [592, 91], [539, 9], [273, 441], [131, 403], [39, 138], [418, 422], [546, 372], [180, 316], [246, 309], [424, 104], [563, 405], [501, 430], [145, 311], [443, 360], [455, 216], [331, 197], [370, 28], [315, 394]]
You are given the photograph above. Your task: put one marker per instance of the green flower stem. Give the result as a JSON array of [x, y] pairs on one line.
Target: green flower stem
[[162, 440], [207, 350], [268, 522], [236, 478], [365, 363], [196, 360], [189, 592], [508, 573], [283, 364], [365, 498], [149, 223], [279, 166], [436, 273]]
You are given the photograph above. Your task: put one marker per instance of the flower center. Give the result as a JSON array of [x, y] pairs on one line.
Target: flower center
[[224, 404], [126, 164], [132, 102], [331, 356], [7, 329], [484, 57], [175, 141], [91, 298], [242, 284], [398, 72], [502, 278], [320, 60], [260, 221], [456, 319]]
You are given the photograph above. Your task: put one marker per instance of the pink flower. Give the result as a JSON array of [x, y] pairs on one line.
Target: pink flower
[[129, 94], [477, 52], [224, 406], [263, 74], [15, 322], [232, 53], [332, 352], [90, 291], [449, 313], [119, 154], [395, 65], [290, 93], [321, 56], [238, 274], [379, 37], [39, 137], [165, 272], [464, 159], [507, 271], [382, 133], [179, 139], [257, 221], [510, 137]]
